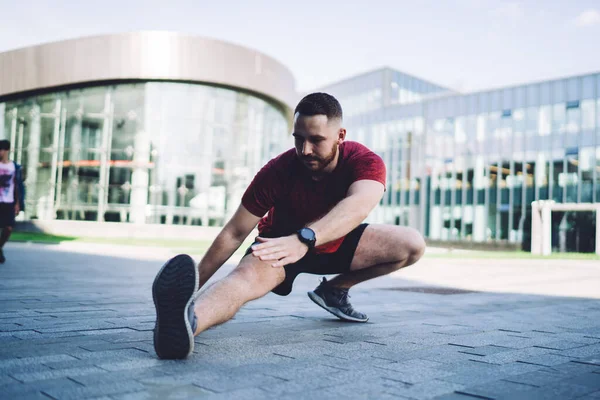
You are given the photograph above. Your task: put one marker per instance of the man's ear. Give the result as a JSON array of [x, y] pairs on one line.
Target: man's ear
[[341, 135]]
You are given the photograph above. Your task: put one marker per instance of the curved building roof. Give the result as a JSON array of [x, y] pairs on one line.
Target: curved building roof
[[148, 55]]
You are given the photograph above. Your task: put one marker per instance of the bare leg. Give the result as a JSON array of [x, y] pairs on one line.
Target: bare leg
[[6, 231], [382, 249], [251, 280]]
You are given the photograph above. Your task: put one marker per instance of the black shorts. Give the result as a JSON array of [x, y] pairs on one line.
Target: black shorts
[[7, 214], [320, 264]]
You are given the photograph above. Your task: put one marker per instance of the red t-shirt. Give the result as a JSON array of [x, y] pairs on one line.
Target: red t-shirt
[[285, 189]]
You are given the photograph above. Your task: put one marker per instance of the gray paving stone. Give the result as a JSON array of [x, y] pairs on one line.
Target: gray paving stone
[[364, 388], [536, 378], [590, 379], [591, 396], [227, 383], [116, 355], [547, 360], [34, 360], [53, 374], [572, 368], [5, 380], [107, 378], [132, 364], [251, 393], [474, 375], [583, 352], [155, 393], [18, 390], [24, 369], [32, 396], [589, 360], [93, 391], [562, 345], [428, 390], [558, 391], [497, 389], [455, 396], [485, 350], [296, 386], [93, 330], [417, 374], [505, 357]]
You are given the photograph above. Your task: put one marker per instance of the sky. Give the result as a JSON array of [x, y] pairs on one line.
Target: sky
[[466, 45]]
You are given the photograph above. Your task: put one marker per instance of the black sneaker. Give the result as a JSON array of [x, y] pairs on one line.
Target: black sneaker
[[335, 301], [173, 292], [2, 258]]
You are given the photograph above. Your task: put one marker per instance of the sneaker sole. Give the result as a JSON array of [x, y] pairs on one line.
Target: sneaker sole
[[172, 291], [319, 301]]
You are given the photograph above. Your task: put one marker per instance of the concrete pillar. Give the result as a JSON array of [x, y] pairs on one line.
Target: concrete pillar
[[479, 223], [536, 229], [562, 234], [540, 170], [479, 174], [13, 135], [50, 213], [546, 230], [61, 158], [598, 231], [435, 222], [105, 156], [139, 178], [74, 157], [33, 157]]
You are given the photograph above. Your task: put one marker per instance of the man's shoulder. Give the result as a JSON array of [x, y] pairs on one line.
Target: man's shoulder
[[357, 150], [282, 160]]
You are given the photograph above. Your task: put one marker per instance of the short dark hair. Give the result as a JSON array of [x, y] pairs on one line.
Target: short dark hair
[[4, 145], [319, 104]]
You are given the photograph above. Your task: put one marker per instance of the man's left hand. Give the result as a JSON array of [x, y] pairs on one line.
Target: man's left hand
[[17, 209], [282, 251]]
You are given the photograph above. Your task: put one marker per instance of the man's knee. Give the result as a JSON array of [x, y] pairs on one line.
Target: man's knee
[[258, 277], [411, 245], [416, 246]]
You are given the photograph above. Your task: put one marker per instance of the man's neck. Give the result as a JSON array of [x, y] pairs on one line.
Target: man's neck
[[6, 161]]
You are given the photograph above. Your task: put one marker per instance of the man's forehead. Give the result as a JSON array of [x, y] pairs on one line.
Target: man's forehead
[[319, 120], [310, 119]]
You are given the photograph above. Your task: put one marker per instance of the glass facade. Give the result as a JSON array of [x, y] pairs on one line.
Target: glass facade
[[466, 167], [153, 152]]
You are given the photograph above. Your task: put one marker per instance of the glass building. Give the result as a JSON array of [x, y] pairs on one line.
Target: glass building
[[164, 128], [175, 145], [466, 167]]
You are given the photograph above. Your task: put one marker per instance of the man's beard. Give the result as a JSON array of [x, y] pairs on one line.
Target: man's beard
[[321, 162]]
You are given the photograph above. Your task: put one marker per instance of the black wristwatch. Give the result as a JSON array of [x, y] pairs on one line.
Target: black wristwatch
[[307, 236]]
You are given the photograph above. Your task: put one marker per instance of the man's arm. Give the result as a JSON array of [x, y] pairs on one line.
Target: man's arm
[[227, 242], [362, 197]]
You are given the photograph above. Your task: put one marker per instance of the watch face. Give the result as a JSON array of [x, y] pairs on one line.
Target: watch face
[[307, 234]]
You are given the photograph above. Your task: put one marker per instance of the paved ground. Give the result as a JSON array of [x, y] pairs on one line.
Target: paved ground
[[76, 322]]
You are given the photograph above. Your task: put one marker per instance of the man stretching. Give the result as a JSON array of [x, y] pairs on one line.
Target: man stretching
[[309, 204]]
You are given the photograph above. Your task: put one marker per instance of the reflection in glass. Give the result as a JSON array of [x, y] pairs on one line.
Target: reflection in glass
[[153, 152]]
